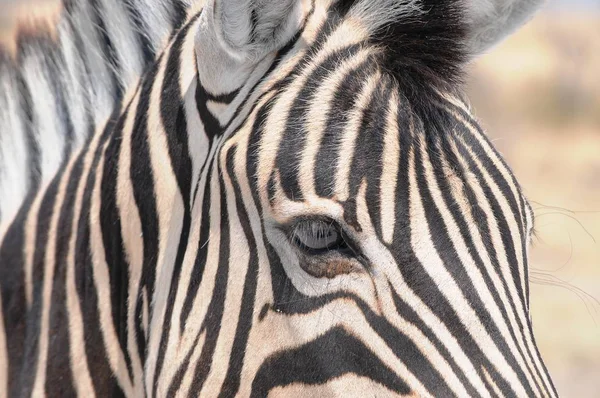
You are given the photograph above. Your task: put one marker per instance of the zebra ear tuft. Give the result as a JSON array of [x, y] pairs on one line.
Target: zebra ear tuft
[[252, 28], [490, 21]]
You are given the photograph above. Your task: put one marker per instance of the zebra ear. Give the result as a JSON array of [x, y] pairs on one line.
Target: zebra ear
[[249, 29], [234, 35], [490, 21]]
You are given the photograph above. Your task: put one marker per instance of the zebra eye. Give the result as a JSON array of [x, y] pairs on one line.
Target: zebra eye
[[317, 236]]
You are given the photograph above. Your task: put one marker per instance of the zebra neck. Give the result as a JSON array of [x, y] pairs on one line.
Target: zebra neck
[[63, 82]]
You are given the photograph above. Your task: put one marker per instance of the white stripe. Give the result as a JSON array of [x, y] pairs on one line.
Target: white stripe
[[239, 253], [433, 265], [169, 208], [178, 348], [389, 172], [505, 267], [348, 137], [31, 244], [198, 141], [75, 82], [345, 35], [337, 387], [188, 378], [316, 119], [79, 366], [294, 330], [156, 20], [424, 345], [123, 40], [112, 346], [49, 265], [469, 266], [489, 150], [202, 300], [491, 382], [101, 87], [133, 244], [512, 184]]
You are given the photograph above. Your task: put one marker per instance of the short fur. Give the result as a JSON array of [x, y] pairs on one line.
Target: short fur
[[164, 260]]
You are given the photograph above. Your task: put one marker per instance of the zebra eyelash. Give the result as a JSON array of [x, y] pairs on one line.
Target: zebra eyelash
[[310, 235]]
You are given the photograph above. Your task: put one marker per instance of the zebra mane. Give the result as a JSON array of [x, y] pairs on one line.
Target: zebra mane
[[423, 41], [65, 75]]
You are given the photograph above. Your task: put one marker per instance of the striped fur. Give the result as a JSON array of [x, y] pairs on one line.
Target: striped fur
[[164, 257], [65, 80]]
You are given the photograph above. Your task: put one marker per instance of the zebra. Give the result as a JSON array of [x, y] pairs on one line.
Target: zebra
[[66, 79], [293, 200]]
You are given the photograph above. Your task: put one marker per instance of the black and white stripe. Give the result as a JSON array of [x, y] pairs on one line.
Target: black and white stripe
[[179, 251], [63, 81]]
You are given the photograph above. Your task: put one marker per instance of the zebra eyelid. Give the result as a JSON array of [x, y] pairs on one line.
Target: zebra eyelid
[[289, 229]]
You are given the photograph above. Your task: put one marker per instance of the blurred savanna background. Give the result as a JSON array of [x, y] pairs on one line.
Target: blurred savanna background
[[538, 96]]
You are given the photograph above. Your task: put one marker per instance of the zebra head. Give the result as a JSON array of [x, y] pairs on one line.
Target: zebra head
[[375, 241], [295, 201]]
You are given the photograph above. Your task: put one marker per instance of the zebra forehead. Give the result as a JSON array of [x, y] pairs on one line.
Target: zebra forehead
[[359, 137], [421, 41]]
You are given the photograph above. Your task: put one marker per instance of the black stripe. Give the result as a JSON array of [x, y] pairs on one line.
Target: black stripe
[[34, 316], [516, 204], [365, 166], [281, 54], [175, 125], [252, 37], [103, 380], [141, 175], [110, 225], [312, 363], [254, 144], [342, 105], [411, 316], [472, 123], [293, 138], [231, 383], [443, 245], [481, 219], [212, 126], [59, 369], [226, 98], [212, 323], [286, 298], [183, 368], [178, 14], [468, 239], [412, 271], [408, 351], [12, 288], [201, 256]]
